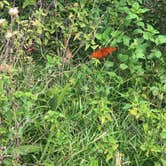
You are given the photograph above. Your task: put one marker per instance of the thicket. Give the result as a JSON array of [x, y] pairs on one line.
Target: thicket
[[58, 107]]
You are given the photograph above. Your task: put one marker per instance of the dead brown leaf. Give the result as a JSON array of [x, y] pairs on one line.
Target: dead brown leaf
[[5, 68]]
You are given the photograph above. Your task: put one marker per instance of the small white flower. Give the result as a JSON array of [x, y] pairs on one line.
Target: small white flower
[[2, 21], [8, 35], [13, 11]]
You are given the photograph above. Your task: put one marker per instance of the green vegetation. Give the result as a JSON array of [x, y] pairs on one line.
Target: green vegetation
[[59, 107]]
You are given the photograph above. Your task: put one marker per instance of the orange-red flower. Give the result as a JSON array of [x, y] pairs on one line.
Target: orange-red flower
[[102, 52]]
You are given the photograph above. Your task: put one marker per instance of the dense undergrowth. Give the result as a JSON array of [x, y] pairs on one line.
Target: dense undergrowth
[[58, 107]]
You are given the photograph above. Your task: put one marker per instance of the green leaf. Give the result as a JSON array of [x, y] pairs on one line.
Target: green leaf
[[155, 53], [133, 112], [98, 36], [93, 162], [126, 40], [135, 6], [105, 36], [7, 3], [151, 29], [123, 66], [109, 64], [132, 16], [123, 57], [163, 135], [141, 24], [29, 3], [155, 90], [148, 36], [139, 54], [137, 31], [164, 88], [161, 39], [87, 45]]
